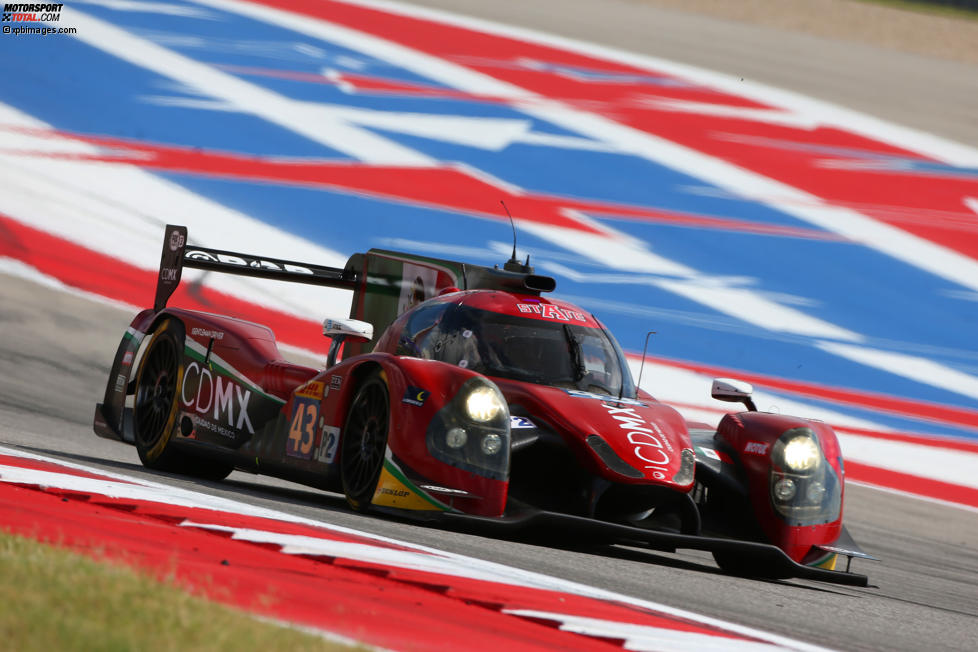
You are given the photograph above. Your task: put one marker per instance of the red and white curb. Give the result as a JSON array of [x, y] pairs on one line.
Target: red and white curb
[[340, 582]]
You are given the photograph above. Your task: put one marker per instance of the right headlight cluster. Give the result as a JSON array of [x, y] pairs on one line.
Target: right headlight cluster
[[472, 431], [804, 487]]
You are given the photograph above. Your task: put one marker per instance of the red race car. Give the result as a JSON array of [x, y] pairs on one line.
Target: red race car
[[466, 394]]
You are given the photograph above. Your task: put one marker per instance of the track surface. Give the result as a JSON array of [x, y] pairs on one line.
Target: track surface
[[55, 349], [890, 81]]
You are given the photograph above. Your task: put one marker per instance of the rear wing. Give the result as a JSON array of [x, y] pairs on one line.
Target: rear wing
[[384, 283], [177, 255]]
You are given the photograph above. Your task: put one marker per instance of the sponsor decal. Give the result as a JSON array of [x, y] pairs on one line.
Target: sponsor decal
[[207, 333], [604, 397], [217, 428], [418, 283], [756, 448], [168, 274], [302, 427], [258, 263], [313, 389], [120, 383], [517, 423], [652, 446], [217, 396], [548, 311], [127, 358], [415, 396], [335, 382], [708, 452], [395, 490], [177, 240], [329, 439]]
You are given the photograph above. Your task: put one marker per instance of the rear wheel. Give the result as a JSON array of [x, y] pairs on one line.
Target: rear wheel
[[158, 379], [365, 442]]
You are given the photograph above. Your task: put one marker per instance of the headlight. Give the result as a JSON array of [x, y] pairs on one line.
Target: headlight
[[471, 432], [801, 453], [784, 489], [491, 443], [456, 438], [483, 404]]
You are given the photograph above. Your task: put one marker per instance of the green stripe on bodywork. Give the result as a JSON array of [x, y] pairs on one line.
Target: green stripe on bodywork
[[397, 473], [228, 373]]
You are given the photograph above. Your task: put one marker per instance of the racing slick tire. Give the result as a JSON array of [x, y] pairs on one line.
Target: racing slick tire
[[158, 379], [364, 442]]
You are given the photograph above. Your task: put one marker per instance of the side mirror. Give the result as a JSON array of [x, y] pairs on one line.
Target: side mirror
[[343, 329], [733, 391]]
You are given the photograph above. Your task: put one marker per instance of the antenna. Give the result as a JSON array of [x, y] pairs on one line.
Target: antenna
[[512, 259], [513, 264], [644, 351]]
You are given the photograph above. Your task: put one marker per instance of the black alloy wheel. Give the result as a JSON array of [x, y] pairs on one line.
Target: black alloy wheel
[[155, 407], [365, 442]]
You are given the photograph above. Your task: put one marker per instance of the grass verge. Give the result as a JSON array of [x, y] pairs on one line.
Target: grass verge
[[54, 599], [924, 7]]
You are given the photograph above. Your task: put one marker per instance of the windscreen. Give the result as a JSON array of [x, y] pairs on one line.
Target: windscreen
[[538, 351]]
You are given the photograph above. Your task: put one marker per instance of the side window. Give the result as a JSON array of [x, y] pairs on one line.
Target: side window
[[419, 325]]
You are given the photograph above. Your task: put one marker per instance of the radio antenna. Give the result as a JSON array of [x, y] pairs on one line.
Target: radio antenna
[[513, 264], [644, 352], [512, 259]]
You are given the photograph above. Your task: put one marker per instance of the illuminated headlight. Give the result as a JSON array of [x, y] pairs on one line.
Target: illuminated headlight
[[491, 444], [801, 453], [784, 489], [483, 404], [456, 438]]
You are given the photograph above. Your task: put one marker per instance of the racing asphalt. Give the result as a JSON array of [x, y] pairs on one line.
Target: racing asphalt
[[56, 348]]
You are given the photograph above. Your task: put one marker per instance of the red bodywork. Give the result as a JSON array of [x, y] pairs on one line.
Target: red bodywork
[[239, 400]]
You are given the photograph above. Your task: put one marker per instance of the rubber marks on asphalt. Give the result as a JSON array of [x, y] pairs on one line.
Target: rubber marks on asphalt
[[331, 579]]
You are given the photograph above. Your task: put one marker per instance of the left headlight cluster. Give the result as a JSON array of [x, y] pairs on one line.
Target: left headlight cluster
[[805, 489], [472, 431]]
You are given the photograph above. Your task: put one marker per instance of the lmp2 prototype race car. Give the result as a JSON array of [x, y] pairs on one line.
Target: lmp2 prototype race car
[[465, 394]]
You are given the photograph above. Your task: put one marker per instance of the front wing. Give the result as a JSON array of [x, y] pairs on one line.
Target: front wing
[[772, 562]]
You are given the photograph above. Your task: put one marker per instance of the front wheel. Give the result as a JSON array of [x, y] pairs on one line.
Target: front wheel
[[365, 442]]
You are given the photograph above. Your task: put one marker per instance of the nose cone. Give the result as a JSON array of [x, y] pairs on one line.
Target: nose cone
[[650, 437], [627, 441]]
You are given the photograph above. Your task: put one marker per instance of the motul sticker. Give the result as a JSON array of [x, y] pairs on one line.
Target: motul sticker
[[756, 448]]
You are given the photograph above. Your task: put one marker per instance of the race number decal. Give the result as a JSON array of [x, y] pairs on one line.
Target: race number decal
[[302, 428], [328, 443]]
